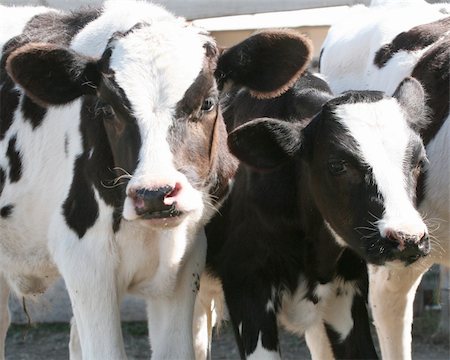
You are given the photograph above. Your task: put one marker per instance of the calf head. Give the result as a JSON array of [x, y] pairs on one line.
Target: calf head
[[359, 160], [157, 89]]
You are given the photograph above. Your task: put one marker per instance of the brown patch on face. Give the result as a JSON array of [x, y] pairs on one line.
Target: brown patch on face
[[416, 38], [198, 136], [223, 165]]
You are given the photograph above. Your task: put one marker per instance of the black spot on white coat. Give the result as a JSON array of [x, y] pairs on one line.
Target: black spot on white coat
[[80, 209], [15, 161], [6, 211]]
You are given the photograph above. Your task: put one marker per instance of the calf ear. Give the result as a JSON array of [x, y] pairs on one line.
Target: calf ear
[[52, 75], [411, 97], [267, 63], [265, 143]]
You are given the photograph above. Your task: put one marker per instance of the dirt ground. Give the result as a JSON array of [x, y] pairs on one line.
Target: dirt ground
[[50, 341]]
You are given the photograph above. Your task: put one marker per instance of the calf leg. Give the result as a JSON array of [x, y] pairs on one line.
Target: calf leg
[[88, 266], [4, 314], [391, 294], [171, 315], [209, 312], [318, 343], [253, 315], [354, 342]]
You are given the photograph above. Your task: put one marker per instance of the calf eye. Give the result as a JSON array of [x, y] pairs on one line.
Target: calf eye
[[419, 167], [337, 167], [208, 104], [421, 164]]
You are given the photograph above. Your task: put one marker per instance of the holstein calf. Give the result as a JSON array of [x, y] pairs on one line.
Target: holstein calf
[[376, 50], [114, 157], [312, 201]]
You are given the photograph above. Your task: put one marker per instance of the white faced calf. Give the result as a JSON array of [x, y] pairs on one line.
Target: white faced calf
[[114, 157]]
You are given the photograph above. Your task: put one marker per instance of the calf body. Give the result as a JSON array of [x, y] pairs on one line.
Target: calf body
[[387, 43], [114, 158], [291, 241]]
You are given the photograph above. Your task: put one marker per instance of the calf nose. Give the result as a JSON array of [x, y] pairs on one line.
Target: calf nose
[[151, 201], [411, 247]]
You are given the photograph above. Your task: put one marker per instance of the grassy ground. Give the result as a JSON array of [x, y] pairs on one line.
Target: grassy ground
[[49, 341]]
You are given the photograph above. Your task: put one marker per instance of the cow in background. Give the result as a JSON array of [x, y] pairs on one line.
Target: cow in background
[[114, 157], [376, 50]]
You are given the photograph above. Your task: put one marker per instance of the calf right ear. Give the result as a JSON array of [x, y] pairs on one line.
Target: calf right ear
[[51, 74], [267, 63], [265, 143]]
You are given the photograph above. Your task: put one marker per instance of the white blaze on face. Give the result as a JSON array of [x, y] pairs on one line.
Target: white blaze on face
[[383, 135], [155, 65]]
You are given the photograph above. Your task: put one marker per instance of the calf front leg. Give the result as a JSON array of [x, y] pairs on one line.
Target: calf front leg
[[318, 342], [209, 312], [391, 297], [253, 313], [171, 313], [88, 266]]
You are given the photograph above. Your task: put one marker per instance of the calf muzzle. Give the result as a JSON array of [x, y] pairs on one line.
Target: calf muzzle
[[149, 203], [409, 247]]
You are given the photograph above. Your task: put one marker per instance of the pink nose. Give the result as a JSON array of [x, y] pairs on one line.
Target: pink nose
[[403, 238]]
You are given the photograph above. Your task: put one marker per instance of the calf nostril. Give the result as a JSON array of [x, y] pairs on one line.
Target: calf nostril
[[174, 191], [151, 200], [152, 194], [397, 236], [424, 244]]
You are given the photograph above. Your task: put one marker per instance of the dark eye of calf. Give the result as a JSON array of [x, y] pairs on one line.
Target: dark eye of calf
[[208, 104], [337, 167], [419, 167]]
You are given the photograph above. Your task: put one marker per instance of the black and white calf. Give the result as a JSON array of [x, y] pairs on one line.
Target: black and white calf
[[114, 156], [380, 47], [291, 241]]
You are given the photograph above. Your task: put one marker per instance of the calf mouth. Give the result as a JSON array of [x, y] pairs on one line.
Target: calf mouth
[[167, 213], [383, 250]]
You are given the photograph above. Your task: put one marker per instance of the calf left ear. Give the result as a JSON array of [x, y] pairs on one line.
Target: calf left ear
[[265, 143], [267, 63], [51, 74], [411, 97]]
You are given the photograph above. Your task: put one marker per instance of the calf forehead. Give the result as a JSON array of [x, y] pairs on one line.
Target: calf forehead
[[384, 141], [155, 65], [380, 130]]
